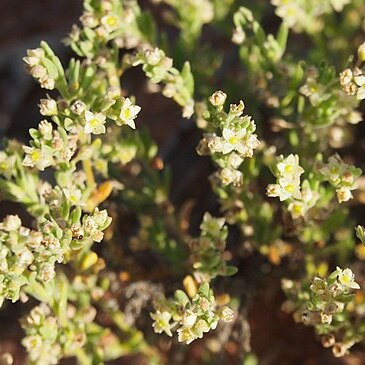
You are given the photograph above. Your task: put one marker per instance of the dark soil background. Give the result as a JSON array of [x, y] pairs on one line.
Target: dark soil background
[[23, 24]]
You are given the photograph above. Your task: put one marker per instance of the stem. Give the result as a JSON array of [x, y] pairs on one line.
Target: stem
[[82, 358]]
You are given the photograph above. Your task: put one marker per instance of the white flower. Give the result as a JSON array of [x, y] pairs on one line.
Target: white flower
[[347, 278], [289, 168], [94, 123], [129, 112], [234, 141], [297, 209], [333, 169], [343, 194], [161, 322], [289, 189], [212, 225], [39, 157], [110, 22], [284, 190]]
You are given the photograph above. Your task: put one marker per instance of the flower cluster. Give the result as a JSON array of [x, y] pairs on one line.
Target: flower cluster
[[261, 50], [49, 147], [237, 139], [324, 94], [105, 22], [29, 255], [340, 175], [192, 317], [324, 305], [47, 340], [288, 174], [207, 250], [301, 197], [44, 66]]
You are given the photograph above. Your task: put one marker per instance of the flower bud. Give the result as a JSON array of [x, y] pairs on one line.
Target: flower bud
[[218, 98], [48, 107]]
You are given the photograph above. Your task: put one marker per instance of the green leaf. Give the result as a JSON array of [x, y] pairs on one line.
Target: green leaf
[[282, 36], [52, 69], [181, 298], [204, 290], [188, 78]]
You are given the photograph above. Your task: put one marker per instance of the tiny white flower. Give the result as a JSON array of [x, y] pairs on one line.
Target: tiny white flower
[[297, 209], [129, 112], [289, 167], [94, 123], [347, 278], [343, 194], [333, 169], [289, 188], [39, 157], [212, 225], [233, 141], [110, 22], [161, 322]]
